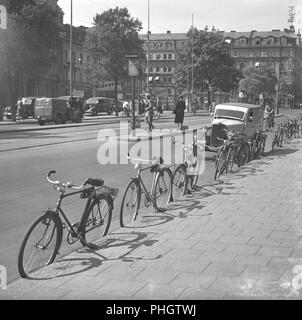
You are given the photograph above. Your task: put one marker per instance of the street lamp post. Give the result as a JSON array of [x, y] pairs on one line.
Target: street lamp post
[[71, 56], [148, 47]]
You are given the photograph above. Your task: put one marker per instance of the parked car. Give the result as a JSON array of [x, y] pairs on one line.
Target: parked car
[[57, 110], [96, 105], [242, 117], [27, 108], [76, 102]]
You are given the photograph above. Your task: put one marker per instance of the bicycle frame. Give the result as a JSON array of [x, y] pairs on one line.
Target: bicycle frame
[[141, 182], [59, 210]]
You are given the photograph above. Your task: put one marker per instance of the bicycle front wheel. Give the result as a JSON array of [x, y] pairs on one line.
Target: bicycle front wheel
[[41, 244], [162, 189], [96, 222], [178, 182], [130, 203]]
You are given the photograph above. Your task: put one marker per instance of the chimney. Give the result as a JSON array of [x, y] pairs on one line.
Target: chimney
[[233, 31], [169, 32]]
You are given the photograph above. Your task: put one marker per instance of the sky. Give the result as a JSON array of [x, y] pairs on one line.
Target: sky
[[178, 15]]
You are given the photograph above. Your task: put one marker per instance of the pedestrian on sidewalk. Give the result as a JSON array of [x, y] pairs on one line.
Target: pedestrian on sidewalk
[[159, 107], [268, 116], [149, 112], [179, 112]]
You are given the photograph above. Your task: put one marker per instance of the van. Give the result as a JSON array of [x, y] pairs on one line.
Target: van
[[241, 117], [55, 110], [96, 105]]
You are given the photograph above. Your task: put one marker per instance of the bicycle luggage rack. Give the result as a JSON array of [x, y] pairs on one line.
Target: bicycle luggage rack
[[113, 192]]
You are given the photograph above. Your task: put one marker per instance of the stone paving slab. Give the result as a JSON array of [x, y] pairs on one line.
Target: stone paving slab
[[241, 239]]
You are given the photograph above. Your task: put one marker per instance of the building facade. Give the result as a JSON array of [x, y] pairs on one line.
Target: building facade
[[164, 52], [279, 50]]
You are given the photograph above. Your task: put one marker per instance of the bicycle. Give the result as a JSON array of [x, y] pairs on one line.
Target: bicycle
[[185, 172], [44, 238], [160, 190], [235, 149]]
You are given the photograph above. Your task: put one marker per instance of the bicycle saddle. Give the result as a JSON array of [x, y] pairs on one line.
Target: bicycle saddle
[[154, 168], [95, 182]]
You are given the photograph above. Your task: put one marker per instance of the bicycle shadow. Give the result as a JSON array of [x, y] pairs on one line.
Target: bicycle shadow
[[114, 247]]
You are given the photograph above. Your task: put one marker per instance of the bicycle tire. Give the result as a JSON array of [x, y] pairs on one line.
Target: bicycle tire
[[280, 138], [219, 164], [164, 187], [179, 186], [243, 154], [57, 230], [262, 146], [96, 220], [275, 141], [127, 218], [230, 160]]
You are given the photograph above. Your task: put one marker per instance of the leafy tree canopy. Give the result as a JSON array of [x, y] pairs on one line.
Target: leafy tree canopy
[[114, 35], [213, 65], [28, 45]]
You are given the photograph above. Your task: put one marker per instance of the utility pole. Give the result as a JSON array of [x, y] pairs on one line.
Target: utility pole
[[148, 47], [71, 56], [192, 56]]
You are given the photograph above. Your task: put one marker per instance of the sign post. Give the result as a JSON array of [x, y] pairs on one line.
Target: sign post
[[133, 72]]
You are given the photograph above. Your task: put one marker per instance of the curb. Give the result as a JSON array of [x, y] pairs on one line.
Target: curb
[[84, 124]]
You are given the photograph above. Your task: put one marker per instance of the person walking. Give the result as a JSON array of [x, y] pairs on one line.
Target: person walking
[[268, 116], [179, 112], [159, 107], [149, 112]]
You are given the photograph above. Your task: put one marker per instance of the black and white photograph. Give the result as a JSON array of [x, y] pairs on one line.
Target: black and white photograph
[[151, 153]]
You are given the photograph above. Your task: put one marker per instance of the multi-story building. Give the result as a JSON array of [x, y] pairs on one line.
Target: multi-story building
[[56, 79], [279, 50], [164, 52]]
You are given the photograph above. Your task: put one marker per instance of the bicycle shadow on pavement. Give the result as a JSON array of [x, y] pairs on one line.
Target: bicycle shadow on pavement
[[116, 246]]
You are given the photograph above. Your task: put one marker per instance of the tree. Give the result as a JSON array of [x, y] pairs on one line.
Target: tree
[[113, 37], [27, 47], [214, 67], [258, 80]]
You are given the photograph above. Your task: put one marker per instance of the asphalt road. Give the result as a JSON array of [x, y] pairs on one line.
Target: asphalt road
[[26, 157]]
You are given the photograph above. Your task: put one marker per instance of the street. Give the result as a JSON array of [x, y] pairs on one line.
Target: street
[[25, 159]]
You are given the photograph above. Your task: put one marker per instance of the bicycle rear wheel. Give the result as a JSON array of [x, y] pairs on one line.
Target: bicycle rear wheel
[[220, 164], [40, 244], [130, 203], [162, 189], [96, 221], [179, 182], [243, 154]]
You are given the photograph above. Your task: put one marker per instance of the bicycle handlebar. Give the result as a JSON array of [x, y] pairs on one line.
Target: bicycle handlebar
[[160, 159], [69, 185]]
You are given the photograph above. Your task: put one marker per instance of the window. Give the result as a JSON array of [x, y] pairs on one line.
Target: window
[[257, 42], [170, 56], [157, 69], [242, 41], [169, 69], [270, 41], [158, 57], [165, 56], [165, 69]]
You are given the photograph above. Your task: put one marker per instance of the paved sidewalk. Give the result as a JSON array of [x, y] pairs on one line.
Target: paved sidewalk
[[240, 238]]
